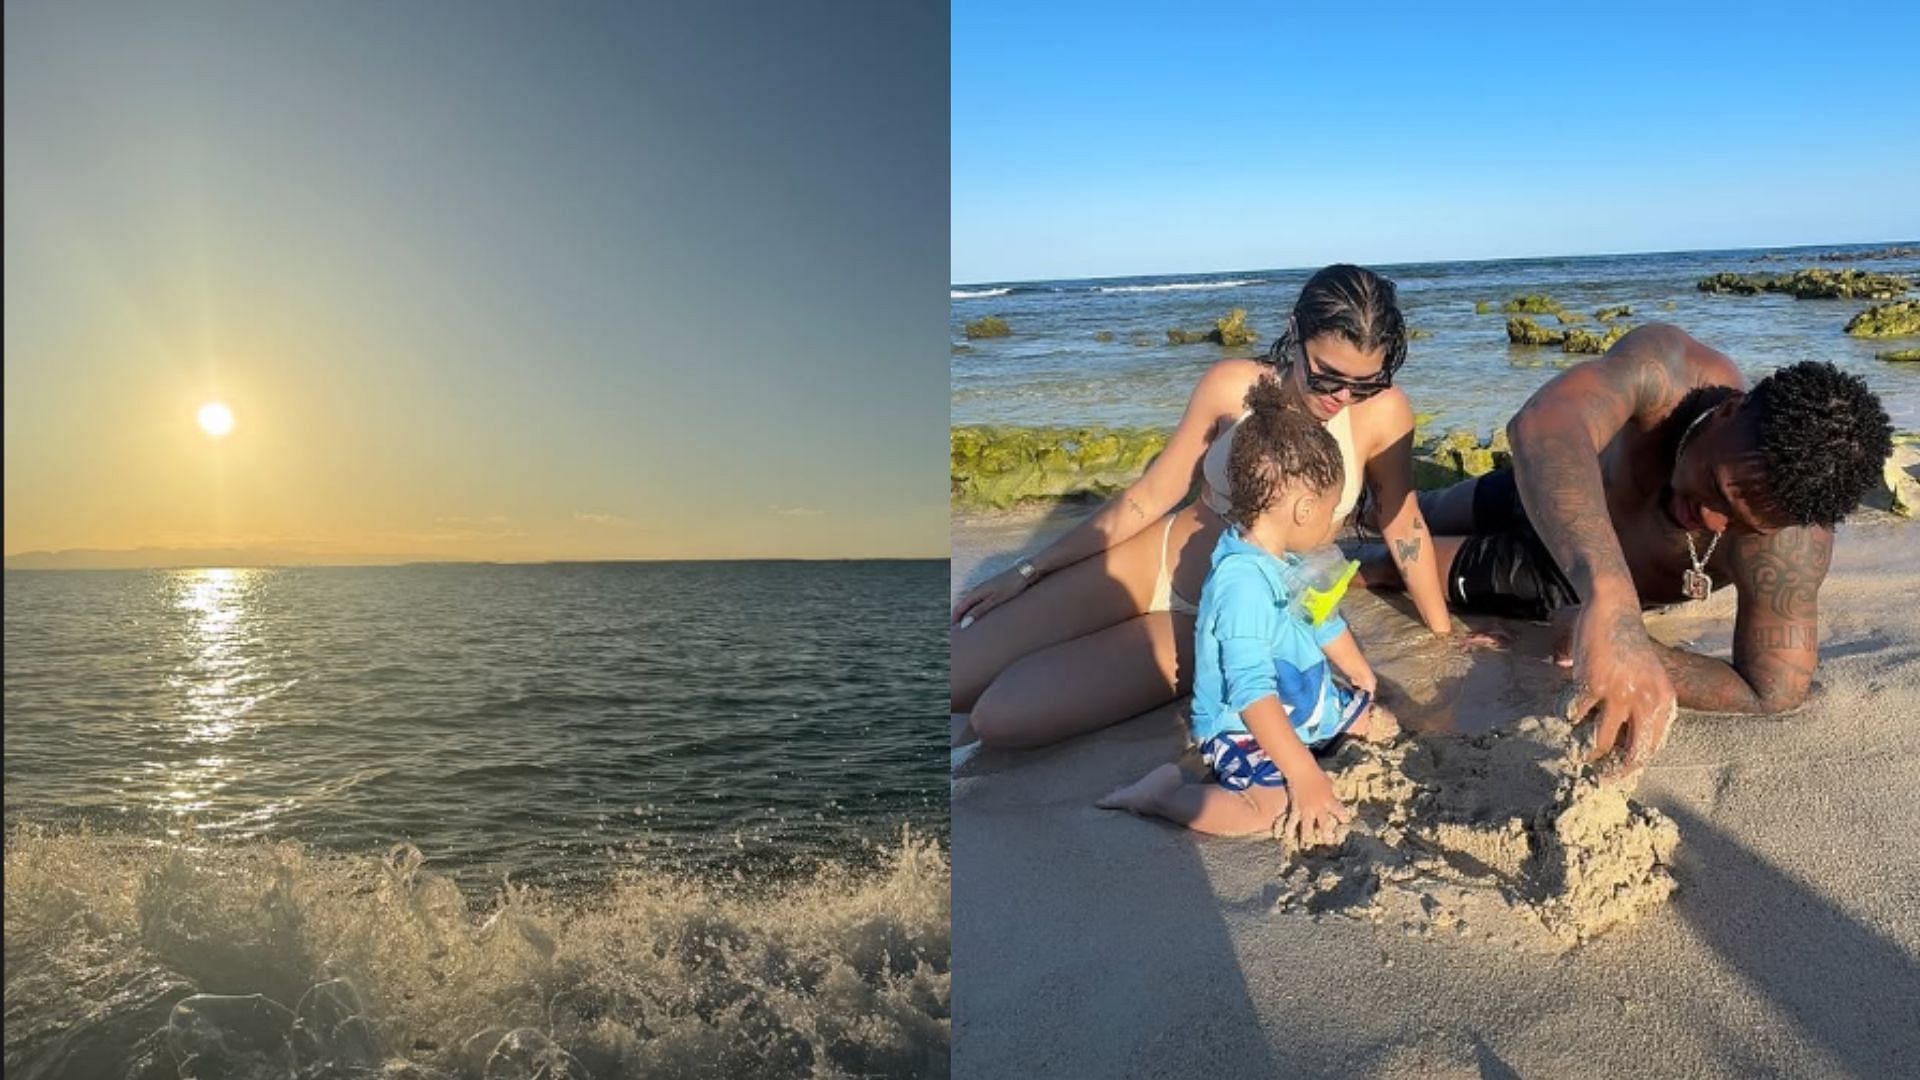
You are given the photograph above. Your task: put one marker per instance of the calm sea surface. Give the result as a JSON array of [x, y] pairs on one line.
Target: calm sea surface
[[543, 721], [1053, 371], [500, 822]]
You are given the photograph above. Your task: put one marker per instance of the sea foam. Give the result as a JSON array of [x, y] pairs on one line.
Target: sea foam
[[132, 958]]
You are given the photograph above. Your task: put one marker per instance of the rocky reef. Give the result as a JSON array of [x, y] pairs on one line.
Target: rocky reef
[[1533, 304], [997, 467], [1230, 330], [1899, 491], [1524, 331], [1608, 314], [1811, 284], [1899, 356], [1586, 341], [1898, 319], [988, 326]]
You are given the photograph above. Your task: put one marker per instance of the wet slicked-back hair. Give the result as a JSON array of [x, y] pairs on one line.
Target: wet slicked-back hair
[[1354, 303], [1823, 437], [1275, 448]]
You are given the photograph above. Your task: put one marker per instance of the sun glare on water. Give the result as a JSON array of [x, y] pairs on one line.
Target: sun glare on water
[[216, 419]]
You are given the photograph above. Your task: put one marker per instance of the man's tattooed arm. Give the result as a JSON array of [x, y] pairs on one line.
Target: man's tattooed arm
[[1776, 639], [1557, 440]]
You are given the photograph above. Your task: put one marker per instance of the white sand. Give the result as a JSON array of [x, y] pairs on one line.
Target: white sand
[[1094, 943]]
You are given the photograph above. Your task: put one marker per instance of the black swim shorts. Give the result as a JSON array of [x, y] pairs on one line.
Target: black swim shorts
[[1504, 568]]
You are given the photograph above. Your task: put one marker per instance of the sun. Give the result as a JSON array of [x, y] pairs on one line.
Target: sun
[[216, 419]]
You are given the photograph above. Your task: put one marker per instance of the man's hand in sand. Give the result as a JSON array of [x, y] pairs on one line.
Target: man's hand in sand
[[1314, 816], [1618, 677], [988, 595]]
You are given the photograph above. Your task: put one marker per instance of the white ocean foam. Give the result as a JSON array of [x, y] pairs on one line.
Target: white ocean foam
[[272, 961], [976, 294], [1181, 286]]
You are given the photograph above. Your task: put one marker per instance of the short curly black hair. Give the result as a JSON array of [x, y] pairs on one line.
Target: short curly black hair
[[1274, 448], [1824, 439]]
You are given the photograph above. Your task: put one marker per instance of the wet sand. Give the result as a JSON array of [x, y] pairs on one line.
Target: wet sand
[[1095, 943]]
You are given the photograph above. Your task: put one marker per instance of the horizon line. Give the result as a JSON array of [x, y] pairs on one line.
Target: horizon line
[[625, 560], [1435, 262]]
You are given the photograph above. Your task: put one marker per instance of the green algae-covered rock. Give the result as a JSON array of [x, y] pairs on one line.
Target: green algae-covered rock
[[1230, 330], [988, 326], [1898, 319], [1569, 317], [1501, 448], [1608, 314], [1418, 333], [1457, 455], [1524, 331], [1737, 284], [993, 466], [1841, 285], [1532, 304], [1811, 284], [1588, 342], [1481, 307], [1103, 335], [1899, 355], [1899, 491]]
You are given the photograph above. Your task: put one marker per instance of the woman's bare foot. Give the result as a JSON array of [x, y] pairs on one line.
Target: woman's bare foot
[[1143, 795]]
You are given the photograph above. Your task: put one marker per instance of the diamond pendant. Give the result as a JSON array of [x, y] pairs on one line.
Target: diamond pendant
[[1696, 585]]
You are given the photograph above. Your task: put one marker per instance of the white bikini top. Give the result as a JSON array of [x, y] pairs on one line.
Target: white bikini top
[[1213, 467]]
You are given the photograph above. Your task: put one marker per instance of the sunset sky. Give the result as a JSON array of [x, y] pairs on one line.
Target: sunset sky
[[477, 280]]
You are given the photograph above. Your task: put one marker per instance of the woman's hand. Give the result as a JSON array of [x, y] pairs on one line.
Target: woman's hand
[[988, 595], [1314, 816]]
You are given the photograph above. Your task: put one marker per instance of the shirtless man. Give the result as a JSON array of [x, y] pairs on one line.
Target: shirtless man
[[1651, 476]]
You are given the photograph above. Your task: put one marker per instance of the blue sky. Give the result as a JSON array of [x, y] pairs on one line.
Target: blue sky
[[1121, 138], [496, 280]]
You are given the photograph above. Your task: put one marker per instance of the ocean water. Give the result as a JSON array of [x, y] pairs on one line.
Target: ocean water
[[631, 819], [1053, 371]]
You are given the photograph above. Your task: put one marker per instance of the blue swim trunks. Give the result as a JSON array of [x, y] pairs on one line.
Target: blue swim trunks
[[1238, 763]]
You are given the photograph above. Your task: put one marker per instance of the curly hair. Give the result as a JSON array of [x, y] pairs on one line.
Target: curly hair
[[1354, 303], [1824, 438], [1276, 447]]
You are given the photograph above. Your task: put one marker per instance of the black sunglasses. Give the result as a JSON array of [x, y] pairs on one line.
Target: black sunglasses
[[1325, 382]]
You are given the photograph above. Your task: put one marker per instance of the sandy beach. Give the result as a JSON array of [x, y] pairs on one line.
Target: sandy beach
[[1099, 944]]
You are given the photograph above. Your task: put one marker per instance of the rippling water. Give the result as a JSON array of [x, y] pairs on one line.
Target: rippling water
[[632, 819], [501, 718], [1053, 371]]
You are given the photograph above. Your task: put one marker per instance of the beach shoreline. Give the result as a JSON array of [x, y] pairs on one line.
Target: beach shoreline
[[1104, 944]]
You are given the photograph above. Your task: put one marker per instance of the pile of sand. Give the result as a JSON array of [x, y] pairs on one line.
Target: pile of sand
[[1504, 834]]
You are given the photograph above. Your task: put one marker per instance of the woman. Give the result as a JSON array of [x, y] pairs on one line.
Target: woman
[[1098, 627]]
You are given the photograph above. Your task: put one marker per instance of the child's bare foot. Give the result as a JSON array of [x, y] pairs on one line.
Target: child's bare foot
[[1144, 795]]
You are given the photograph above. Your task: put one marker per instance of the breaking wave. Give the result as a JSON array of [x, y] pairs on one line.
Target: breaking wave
[[1181, 286], [132, 958]]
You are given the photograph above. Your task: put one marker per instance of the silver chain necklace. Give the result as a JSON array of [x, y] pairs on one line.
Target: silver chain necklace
[[1695, 584]]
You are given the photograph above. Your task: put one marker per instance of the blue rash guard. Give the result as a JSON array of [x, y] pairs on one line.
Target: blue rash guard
[[1251, 643]]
